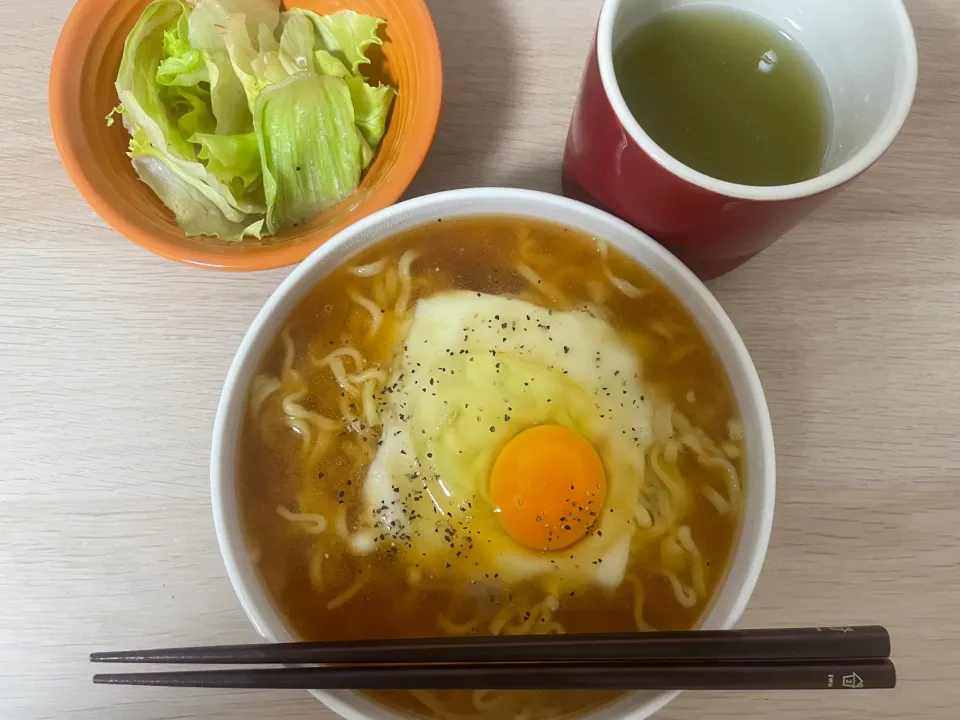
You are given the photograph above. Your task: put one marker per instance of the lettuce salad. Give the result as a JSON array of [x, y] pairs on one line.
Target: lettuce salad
[[244, 119]]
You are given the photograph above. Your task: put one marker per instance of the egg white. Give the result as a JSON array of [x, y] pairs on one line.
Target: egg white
[[473, 372]]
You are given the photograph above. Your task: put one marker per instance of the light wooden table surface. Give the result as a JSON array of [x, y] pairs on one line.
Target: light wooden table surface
[[111, 361]]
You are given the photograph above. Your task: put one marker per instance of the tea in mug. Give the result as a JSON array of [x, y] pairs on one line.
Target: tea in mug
[[728, 94]]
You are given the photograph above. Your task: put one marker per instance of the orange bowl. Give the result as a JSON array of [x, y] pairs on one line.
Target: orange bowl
[[82, 92]]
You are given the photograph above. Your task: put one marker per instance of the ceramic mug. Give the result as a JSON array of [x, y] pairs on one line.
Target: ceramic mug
[[865, 51]]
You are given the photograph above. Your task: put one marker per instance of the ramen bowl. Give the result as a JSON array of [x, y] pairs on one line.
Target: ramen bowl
[[749, 543], [82, 93]]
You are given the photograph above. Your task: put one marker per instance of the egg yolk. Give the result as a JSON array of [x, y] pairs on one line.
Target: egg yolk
[[548, 487]]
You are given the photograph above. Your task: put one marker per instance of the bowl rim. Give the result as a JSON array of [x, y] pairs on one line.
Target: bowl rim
[[71, 44], [751, 544]]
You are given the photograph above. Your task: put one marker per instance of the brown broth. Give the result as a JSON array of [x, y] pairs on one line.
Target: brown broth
[[478, 254]]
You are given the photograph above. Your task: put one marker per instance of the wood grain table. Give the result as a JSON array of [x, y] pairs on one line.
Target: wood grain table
[[111, 362]]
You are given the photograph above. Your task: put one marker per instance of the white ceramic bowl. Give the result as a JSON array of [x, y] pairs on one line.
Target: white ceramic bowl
[[751, 547]]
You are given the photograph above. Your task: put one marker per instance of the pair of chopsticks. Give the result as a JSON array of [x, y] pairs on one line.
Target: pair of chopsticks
[[827, 658]]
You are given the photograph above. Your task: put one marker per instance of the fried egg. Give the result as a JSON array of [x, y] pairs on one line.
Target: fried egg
[[512, 448]]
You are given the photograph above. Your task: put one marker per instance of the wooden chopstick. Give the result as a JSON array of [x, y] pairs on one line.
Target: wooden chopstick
[[834, 643], [810, 675]]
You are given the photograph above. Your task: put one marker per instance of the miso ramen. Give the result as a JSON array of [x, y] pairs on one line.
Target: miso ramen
[[490, 426]]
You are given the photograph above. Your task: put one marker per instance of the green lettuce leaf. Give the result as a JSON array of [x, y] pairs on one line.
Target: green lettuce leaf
[[242, 53], [137, 87], [234, 159], [199, 209], [230, 26], [181, 64], [371, 106], [228, 99], [267, 65], [209, 17], [367, 153], [297, 42], [301, 175], [256, 65], [345, 38], [327, 64], [190, 109], [187, 70], [188, 64], [175, 40], [346, 35]]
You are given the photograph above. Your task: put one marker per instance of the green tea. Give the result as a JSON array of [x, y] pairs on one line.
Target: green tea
[[727, 94]]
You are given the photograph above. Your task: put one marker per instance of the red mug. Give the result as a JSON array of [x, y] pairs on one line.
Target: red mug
[[866, 52]]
